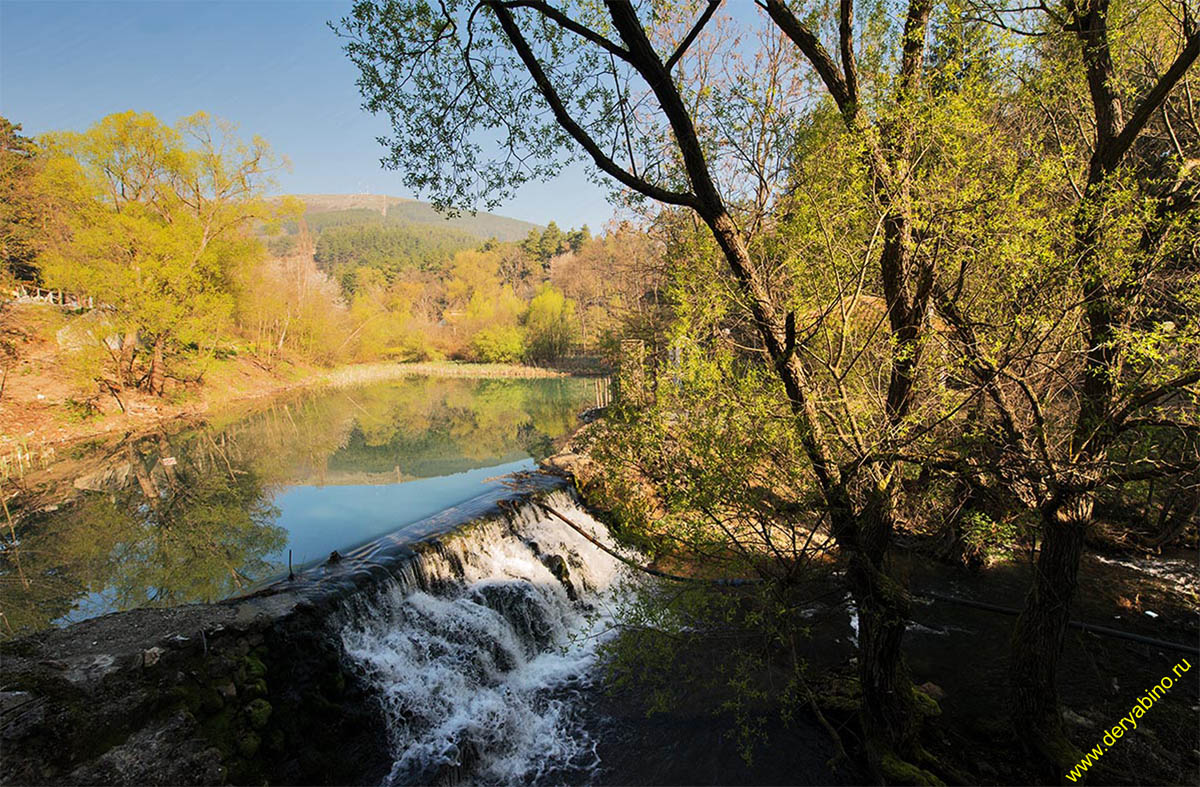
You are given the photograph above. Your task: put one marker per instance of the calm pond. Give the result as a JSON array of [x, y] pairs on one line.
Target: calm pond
[[209, 512]]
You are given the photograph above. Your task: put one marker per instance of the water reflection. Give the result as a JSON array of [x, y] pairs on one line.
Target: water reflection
[[203, 514]]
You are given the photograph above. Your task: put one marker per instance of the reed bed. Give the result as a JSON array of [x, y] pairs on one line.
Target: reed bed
[[374, 372]]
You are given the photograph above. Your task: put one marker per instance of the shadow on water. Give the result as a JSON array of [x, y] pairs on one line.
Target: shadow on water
[[965, 652], [206, 513]]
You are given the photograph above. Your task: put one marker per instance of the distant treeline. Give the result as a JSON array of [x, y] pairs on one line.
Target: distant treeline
[[341, 248]]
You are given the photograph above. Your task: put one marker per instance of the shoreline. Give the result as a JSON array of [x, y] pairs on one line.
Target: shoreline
[[39, 447]]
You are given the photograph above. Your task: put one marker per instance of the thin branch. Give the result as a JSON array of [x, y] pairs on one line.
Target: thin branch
[[564, 119], [567, 23], [733, 582], [713, 5], [1154, 394], [808, 43], [1113, 153]]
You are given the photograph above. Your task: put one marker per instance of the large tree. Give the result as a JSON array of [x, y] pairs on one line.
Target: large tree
[[160, 216], [668, 106], [1086, 343], [23, 204]]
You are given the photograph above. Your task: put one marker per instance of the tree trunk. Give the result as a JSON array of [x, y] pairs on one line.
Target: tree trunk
[[1041, 628], [862, 535], [883, 611], [125, 360], [144, 479], [1176, 515], [888, 712], [165, 452], [156, 367]]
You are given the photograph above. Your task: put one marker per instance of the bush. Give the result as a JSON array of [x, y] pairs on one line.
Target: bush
[[550, 322], [502, 344], [985, 539]]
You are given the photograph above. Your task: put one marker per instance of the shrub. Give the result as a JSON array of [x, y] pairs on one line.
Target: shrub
[[501, 344], [550, 323]]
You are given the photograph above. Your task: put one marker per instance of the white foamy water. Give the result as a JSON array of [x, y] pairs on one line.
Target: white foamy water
[[479, 650]]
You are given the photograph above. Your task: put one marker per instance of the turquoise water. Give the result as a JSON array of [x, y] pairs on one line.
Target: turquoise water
[[210, 512], [321, 519]]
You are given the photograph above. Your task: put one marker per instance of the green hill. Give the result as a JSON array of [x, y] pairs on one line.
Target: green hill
[[332, 210]]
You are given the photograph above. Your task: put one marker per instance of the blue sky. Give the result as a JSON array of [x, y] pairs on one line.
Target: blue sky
[[274, 68]]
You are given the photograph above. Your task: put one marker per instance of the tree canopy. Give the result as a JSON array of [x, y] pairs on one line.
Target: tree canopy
[[160, 217]]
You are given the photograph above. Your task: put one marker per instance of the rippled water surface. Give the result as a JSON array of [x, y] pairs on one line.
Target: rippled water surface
[[205, 513]]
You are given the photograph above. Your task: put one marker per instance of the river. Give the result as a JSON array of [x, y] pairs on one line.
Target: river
[[213, 511], [476, 653]]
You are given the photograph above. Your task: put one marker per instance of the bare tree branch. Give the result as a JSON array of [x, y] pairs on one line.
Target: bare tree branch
[[563, 117], [713, 5], [566, 22]]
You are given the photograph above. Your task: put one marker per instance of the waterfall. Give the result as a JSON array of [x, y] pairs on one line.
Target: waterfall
[[481, 646]]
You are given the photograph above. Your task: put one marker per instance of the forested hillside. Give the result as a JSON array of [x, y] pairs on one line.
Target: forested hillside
[[327, 209]]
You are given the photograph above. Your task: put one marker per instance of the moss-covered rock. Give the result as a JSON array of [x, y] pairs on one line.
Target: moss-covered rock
[[248, 744], [258, 713], [253, 667], [925, 705], [255, 689], [898, 771]]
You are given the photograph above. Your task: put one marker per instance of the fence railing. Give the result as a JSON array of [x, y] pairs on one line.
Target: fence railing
[[603, 390], [25, 293]]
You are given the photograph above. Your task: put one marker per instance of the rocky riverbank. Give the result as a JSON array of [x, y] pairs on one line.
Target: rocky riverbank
[[242, 692]]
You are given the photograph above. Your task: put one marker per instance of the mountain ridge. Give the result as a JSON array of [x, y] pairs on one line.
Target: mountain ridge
[[402, 211]]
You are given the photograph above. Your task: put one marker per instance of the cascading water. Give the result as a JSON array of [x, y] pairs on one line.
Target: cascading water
[[481, 647]]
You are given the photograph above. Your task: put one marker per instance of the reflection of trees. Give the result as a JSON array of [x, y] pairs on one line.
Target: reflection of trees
[[147, 532], [428, 426], [422, 425], [177, 534]]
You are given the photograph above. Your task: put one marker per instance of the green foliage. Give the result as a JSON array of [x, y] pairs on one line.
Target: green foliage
[[986, 538], [712, 470], [344, 251], [23, 203], [410, 292], [552, 242], [281, 246], [149, 271], [576, 239], [159, 221], [737, 649], [549, 325], [502, 344]]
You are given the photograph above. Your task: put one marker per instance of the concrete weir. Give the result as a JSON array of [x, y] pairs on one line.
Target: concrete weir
[[303, 681]]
